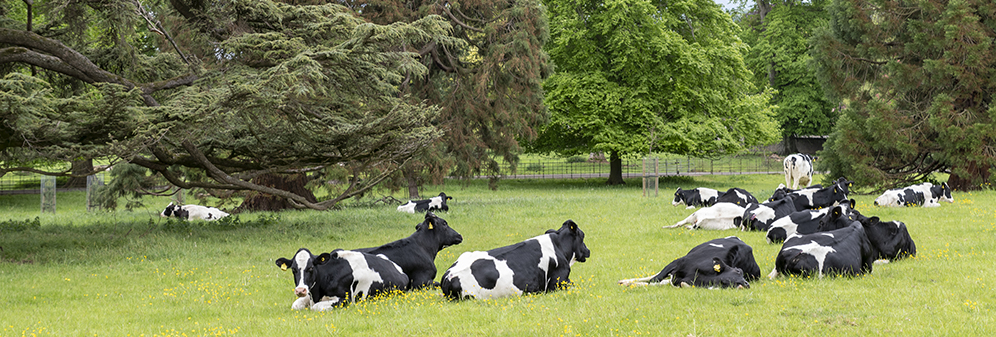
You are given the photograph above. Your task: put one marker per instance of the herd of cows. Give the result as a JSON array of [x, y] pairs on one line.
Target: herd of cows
[[820, 231]]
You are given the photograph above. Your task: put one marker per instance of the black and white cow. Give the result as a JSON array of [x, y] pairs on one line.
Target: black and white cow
[[758, 217], [737, 196], [932, 195], [802, 222], [416, 254], [195, 212], [696, 197], [849, 250], [798, 170], [891, 239], [436, 203], [539, 264], [812, 198], [722, 215], [900, 197], [342, 276], [726, 262]]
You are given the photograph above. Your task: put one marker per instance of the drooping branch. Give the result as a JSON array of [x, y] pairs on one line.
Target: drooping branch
[[156, 26]]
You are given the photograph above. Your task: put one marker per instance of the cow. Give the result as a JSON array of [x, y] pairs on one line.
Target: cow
[[798, 170], [701, 196], [803, 222], [436, 203], [723, 215], [759, 217], [340, 277], [900, 197], [196, 212], [933, 194], [737, 196], [539, 264], [851, 249], [726, 262], [416, 254], [813, 198]]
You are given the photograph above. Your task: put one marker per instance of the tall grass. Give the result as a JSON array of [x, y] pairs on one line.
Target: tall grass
[[132, 273]]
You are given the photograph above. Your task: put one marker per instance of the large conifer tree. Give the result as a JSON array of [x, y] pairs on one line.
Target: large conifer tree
[[919, 78]]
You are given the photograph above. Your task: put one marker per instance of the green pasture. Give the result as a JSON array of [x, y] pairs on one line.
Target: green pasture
[[131, 273]]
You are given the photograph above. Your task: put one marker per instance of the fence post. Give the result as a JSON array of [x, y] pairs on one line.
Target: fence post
[[48, 194], [93, 182]]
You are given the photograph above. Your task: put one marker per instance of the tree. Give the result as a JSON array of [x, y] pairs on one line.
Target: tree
[[634, 76], [778, 33], [918, 80], [489, 93], [216, 94]]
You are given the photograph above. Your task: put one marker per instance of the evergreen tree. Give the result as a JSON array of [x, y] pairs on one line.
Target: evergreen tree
[[918, 80]]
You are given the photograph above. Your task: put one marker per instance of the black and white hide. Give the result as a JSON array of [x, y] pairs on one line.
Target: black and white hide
[[342, 276], [900, 197], [890, 239], [416, 254], [723, 215], [814, 198], [193, 212], [909, 196], [803, 222], [737, 196], [798, 170], [722, 263], [696, 197], [759, 217], [539, 264], [436, 203]]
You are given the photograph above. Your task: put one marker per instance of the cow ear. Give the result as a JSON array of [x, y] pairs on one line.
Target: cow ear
[[325, 257], [717, 265], [283, 263], [571, 225], [854, 204]]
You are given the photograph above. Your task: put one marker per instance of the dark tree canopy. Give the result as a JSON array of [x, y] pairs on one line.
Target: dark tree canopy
[[918, 80], [214, 94]]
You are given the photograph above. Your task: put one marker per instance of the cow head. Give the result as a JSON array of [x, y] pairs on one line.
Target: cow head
[[715, 273], [679, 197], [840, 216], [890, 239], [302, 266], [445, 197], [436, 233], [942, 191], [570, 240], [844, 184]]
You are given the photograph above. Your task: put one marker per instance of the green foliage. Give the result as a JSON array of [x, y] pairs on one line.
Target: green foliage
[[12, 225], [576, 159], [634, 75], [918, 79], [779, 58], [129, 181]]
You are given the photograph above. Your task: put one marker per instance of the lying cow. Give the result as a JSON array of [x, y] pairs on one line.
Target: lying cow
[[798, 170], [737, 196], [925, 194], [802, 222], [539, 264], [436, 203], [891, 239], [849, 250], [723, 215], [416, 254], [196, 212], [900, 197], [759, 217], [814, 198], [727, 262], [696, 197], [342, 276]]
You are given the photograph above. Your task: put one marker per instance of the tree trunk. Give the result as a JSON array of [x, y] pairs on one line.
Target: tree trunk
[[978, 175], [615, 169], [80, 167], [257, 201], [412, 180]]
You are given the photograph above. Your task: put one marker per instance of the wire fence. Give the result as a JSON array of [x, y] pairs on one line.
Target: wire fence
[[547, 168]]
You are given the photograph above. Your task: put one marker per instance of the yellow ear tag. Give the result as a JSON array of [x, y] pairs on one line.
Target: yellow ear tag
[[716, 267], [430, 225], [283, 267]]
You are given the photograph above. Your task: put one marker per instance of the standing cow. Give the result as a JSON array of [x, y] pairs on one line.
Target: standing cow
[[798, 170], [539, 264], [726, 262], [342, 276]]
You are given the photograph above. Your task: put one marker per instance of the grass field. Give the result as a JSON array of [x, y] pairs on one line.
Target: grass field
[[135, 274]]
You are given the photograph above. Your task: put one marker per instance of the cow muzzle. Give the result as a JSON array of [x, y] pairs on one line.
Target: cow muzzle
[[301, 291]]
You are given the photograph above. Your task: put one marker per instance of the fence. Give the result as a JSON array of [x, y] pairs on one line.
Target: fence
[[547, 168]]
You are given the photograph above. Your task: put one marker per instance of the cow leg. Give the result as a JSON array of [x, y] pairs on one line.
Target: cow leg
[[774, 273], [642, 281], [690, 220], [327, 303], [302, 303]]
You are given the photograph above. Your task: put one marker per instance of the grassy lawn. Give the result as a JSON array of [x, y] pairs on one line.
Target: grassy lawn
[[134, 274]]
